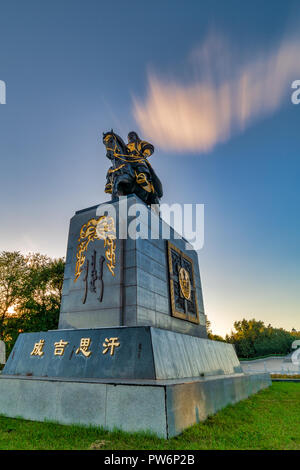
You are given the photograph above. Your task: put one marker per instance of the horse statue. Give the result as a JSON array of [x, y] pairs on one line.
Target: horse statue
[[131, 173]]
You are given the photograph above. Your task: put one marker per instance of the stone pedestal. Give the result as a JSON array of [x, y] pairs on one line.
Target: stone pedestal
[[136, 291], [163, 407], [120, 353], [131, 351]]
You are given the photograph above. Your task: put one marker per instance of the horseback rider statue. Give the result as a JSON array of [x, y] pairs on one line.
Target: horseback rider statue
[[131, 173]]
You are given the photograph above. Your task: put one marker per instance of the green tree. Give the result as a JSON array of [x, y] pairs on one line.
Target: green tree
[[252, 338], [13, 272], [35, 288]]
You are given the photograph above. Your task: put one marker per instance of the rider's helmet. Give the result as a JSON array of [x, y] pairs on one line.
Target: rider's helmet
[[133, 137]]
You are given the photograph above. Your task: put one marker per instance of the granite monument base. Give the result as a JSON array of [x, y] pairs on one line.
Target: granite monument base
[[162, 407], [130, 378]]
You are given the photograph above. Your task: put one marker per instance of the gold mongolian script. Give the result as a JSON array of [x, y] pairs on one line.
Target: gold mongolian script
[[97, 229]]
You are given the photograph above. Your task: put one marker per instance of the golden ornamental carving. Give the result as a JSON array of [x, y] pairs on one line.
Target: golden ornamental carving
[[104, 229], [185, 283]]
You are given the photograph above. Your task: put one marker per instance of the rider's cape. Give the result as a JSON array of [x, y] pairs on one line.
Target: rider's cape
[[155, 179]]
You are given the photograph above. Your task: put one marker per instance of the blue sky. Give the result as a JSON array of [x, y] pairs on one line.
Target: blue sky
[[76, 68]]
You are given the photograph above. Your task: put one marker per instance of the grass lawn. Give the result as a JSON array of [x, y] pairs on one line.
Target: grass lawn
[[268, 420]]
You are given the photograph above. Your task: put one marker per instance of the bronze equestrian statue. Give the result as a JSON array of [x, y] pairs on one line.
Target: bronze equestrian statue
[[131, 173]]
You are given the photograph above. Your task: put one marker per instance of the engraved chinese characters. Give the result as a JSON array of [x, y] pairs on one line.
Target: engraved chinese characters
[[84, 347], [59, 347], [38, 348], [109, 344]]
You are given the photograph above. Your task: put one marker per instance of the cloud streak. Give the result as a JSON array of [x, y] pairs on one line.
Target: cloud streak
[[222, 100]]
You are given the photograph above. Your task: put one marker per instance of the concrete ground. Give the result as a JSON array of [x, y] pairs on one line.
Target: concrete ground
[[273, 365]]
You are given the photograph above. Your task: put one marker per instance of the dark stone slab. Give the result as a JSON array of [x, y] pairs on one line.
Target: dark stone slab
[[140, 353], [133, 357]]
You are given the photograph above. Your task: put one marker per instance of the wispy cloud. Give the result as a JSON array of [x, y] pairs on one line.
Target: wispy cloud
[[222, 99]]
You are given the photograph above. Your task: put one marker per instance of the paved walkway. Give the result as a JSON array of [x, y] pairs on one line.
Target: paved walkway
[[273, 365]]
